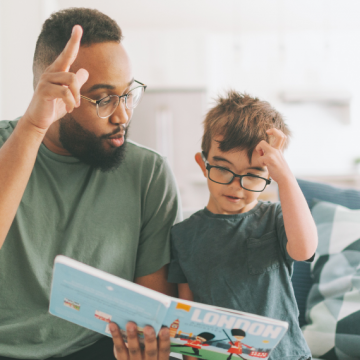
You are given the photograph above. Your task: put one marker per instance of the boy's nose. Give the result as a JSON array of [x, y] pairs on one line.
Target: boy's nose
[[236, 184]]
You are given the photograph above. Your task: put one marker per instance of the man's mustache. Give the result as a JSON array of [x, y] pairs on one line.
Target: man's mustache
[[119, 129]]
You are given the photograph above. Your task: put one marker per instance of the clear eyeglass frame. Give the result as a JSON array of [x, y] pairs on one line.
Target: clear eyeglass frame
[[142, 87], [241, 177]]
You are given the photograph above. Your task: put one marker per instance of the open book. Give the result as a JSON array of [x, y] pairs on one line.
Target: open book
[[92, 298]]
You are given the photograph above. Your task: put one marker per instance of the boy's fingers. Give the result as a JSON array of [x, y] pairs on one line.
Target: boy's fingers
[[259, 149], [150, 343], [133, 341], [276, 138], [120, 349], [68, 55], [164, 344], [263, 147]]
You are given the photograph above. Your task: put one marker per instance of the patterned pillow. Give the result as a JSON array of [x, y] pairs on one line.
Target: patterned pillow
[[333, 306], [325, 192]]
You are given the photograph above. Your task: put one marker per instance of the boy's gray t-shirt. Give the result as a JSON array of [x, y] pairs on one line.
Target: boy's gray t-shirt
[[240, 262]]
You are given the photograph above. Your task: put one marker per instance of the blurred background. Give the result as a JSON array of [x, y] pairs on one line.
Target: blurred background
[[301, 56]]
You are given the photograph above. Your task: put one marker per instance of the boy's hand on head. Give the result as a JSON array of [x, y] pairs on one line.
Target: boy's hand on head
[[270, 155]]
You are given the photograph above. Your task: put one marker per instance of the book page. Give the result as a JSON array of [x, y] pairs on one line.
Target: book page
[[214, 334], [92, 298], [60, 259]]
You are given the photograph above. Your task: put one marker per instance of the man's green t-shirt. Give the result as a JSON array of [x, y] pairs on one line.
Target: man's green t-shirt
[[118, 221]]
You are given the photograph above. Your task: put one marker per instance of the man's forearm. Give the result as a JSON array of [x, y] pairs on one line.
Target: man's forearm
[[17, 159]]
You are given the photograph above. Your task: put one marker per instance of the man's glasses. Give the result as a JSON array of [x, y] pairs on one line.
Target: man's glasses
[[225, 176], [106, 106]]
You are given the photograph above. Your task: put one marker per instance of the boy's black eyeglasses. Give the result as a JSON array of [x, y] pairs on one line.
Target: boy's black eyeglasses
[[221, 175], [106, 106]]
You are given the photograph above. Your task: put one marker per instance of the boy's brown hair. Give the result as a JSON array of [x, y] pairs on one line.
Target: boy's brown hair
[[242, 122]]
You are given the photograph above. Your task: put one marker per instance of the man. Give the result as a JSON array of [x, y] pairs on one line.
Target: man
[[68, 186]]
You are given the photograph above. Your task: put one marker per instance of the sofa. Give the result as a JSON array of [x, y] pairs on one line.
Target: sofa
[[304, 281]]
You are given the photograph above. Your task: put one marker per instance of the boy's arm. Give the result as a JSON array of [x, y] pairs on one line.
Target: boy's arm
[[186, 294], [299, 225]]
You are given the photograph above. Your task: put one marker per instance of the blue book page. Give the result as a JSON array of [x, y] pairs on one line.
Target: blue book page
[[214, 333], [92, 300]]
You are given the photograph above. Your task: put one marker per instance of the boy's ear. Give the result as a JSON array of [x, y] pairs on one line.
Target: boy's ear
[[200, 161]]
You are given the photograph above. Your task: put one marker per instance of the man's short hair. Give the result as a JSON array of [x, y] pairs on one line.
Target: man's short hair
[[56, 32], [241, 121]]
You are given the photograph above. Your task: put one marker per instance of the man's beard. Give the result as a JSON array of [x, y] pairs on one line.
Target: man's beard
[[87, 147]]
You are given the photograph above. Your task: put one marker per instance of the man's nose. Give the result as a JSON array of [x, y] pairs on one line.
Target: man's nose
[[121, 115]]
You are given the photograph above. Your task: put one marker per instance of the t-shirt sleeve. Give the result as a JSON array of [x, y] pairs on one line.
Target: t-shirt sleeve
[[282, 236], [176, 274], [161, 209], [280, 228]]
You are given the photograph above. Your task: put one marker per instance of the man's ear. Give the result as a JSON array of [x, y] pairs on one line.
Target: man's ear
[[200, 161]]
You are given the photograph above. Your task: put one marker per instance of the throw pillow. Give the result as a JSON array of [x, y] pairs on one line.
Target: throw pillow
[[325, 192], [350, 198], [333, 306]]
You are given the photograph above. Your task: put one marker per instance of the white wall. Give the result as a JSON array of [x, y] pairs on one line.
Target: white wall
[[20, 25], [263, 47]]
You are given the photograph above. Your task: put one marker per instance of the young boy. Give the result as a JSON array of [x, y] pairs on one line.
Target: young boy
[[238, 252]]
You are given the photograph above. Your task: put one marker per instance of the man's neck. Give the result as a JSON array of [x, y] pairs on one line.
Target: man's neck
[[52, 142]]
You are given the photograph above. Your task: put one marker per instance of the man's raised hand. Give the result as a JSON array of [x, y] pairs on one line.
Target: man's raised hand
[[155, 349], [58, 90]]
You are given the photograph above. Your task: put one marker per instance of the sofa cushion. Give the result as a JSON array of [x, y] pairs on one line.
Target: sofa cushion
[[302, 281], [314, 190], [333, 306]]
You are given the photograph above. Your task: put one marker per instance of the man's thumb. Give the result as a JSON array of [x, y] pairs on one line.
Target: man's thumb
[[82, 76]]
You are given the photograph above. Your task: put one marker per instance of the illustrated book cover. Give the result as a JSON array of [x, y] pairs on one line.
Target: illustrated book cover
[[92, 298]]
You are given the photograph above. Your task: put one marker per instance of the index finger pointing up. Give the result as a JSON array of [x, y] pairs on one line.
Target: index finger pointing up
[[68, 55]]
